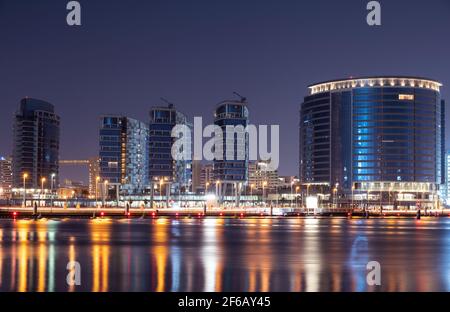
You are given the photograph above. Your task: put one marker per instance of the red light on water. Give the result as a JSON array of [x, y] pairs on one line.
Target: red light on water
[[153, 214], [15, 214], [102, 214], [220, 214], [242, 214], [129, 214]]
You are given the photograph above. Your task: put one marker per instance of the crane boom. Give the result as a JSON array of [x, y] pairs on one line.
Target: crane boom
[[243, 98]]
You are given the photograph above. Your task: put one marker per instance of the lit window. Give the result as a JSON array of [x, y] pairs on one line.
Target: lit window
[[408, 97], [113, 164]]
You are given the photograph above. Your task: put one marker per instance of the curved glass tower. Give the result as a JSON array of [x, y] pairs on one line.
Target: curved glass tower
[[232, 172], [36, 143], [378, 138]]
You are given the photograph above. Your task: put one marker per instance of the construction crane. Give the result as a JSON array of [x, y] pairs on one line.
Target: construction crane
[[167, 101], [243, 98]]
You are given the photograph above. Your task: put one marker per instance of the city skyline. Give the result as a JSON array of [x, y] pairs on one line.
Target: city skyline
[[139, 60], [208, 148]]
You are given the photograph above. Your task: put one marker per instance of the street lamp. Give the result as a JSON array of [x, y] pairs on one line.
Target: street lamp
[[161, 182], [297, 188], [218, 190], [264, 193], [42, 185], [97, 179], [337, 187], [334, 197], [238, 193], [353, 189], [307, 193], [25, 177], [390, 191], [207, 187], [52, 178], [292, 200], [106, 190]]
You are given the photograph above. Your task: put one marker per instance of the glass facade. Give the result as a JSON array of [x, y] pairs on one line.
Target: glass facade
[[124, 153], [315, 142], [384, 130], [445, 191], [396, 139], [161, 163], [36, 143], [231, 170], [5, 177]]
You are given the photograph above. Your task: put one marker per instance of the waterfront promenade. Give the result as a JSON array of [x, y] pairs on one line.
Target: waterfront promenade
[[55, 212]]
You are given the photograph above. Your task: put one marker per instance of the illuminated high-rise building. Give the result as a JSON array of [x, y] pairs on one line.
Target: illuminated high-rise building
[[445, 190], [207, 180], [176, 173], [35, 143], [94, 175], [380, 136], [124, 153], [5, 177], [232, 173], [260, 175]]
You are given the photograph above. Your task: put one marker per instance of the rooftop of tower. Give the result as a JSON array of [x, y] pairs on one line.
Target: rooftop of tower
[[375, 81]]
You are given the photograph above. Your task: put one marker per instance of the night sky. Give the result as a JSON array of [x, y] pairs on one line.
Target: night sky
[[129, 53]]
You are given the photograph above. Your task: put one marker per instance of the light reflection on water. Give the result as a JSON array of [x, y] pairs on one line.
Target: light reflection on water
[[225, 254]]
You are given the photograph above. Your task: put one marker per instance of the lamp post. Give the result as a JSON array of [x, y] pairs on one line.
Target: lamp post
[[42, 186], [161, 182], [297, 188], [207, 187], [218, 191], [168, 190], [334, 197], [52, 178], [292, 195], [337, 196], [238, 194], [252, 186], [97, 179], [307, 193], [25, 176], [105, 191], [353, 189], [390, 190], [264, 191]]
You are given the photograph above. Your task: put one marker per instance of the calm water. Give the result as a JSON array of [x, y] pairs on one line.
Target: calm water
[[225, 254]]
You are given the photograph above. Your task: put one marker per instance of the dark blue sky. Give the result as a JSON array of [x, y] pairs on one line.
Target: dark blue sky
[[129, 53]]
